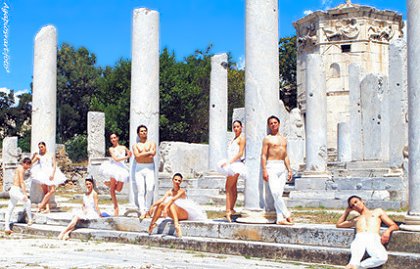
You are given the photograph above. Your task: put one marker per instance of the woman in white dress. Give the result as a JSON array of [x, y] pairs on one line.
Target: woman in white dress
[[45, 172], [233, 167], [177, 206], [116, 170], [90, 209]]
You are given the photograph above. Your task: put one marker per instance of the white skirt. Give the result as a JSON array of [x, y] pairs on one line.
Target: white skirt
[[42, 175], [237, 167], [86, 214], [117, 170], [194, 210]]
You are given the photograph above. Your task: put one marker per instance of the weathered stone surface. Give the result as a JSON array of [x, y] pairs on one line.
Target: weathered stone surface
[[316, 115], [261, 87], [188, 159], [96, 134], [218, 113], [10, 155], [361, 183], [311, 183], [44, 92], [355, 109], [343, 142]]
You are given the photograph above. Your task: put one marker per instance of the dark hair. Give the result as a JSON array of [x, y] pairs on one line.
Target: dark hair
[[114, 133], [238, 121], [42, 143], [273, 117], [177, 174], [141, 126], [90, 179], [27, 160], [351, 197]]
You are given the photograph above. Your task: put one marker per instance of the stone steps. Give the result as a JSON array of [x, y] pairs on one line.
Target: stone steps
[[312, 243]]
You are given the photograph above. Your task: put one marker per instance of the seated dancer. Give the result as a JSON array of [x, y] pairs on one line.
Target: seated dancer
[[45, 172], [90, 209], [232, 167], [18, 193], [368, 225], [176, 205], [116, 170]]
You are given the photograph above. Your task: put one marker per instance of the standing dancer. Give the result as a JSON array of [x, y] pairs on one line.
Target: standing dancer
[[90, 209], [368, 225], [45, 172], [116, 170], [175, 205], [233, 167], [18, 193], [276, 169], [144, 152]]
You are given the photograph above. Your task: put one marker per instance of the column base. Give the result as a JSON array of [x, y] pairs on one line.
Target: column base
[[257, 217], [411, 223]]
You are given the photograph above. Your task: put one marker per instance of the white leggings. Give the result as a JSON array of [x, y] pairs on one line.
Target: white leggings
[[16, 195], [277, 174], [145, 181], [370, 242]]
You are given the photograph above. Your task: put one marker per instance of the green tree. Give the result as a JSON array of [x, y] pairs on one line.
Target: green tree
[[7, 114], [77, 78], [287, 64], [236, 90]]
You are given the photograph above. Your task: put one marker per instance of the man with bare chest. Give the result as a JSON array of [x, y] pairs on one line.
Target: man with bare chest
[[144, 152], [367, 225], [276, 169]]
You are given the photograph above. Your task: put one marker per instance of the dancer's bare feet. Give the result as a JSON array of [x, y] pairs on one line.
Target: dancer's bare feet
[[284, 222], [178, 231], [229, 216], [351, 266], [152, 227], [289, 219], [60, 236], [66, 236], [30, 222], [8, 232]]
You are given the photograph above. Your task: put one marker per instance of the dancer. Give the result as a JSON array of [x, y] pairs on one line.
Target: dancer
[[144, 152], [368, 225], [275, 163], [233, 167], [90, 209], [45, 172], [116, 170], [18, 193], [176, 205]]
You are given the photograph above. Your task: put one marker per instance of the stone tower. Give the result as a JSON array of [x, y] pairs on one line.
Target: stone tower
[[346, 34]]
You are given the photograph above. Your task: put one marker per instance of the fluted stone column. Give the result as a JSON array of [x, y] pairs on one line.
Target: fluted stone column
[[144, 104], [355, 112], [218, 110], [316, 116], [261, 88], [343, 142], [412, 218], [44, 92], [10, 155]]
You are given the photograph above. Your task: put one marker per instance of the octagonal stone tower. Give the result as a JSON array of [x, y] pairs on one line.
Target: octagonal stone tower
[[344, 35]]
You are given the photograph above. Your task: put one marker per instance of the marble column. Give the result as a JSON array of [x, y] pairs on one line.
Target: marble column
[[398, 97], [412, 219], [10, 155], [261, 88], [316, 116], [44, 92], [144, 103], [355, 112], [343, 142], [218, 110]]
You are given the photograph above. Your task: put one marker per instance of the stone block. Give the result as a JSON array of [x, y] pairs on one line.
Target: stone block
[[312, 195], [96, 134], [357, 183], [310, 183], [364, 194]]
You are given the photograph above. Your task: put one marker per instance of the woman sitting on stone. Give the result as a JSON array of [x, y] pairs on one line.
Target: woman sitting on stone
[[45, 172], [90, 209], [176, 205]]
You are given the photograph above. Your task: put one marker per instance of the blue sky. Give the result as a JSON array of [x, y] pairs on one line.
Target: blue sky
[[104, 27]]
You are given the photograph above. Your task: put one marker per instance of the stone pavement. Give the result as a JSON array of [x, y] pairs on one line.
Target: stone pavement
[[26, 252]]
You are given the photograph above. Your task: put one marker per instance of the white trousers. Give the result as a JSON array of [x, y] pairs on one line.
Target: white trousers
[[273, 191], [370, 242], [16, 195], [145, 181]]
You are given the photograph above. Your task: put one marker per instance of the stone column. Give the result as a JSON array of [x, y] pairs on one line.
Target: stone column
[[10, 155], [355, 112], [44, 92], [343, 142], [412, 218], [398, 103], [316, 116], [218, 110], [144, 104], [261, 88], [96, 146]]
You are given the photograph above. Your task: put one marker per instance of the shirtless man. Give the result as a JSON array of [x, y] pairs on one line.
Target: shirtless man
[[367, 225], [276, 168], [144, 151], [18, 193]]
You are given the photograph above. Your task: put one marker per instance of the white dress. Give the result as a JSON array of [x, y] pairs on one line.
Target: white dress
[[193, 209], [89, 211], [114, 169], [43, 169], [237, 167]]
